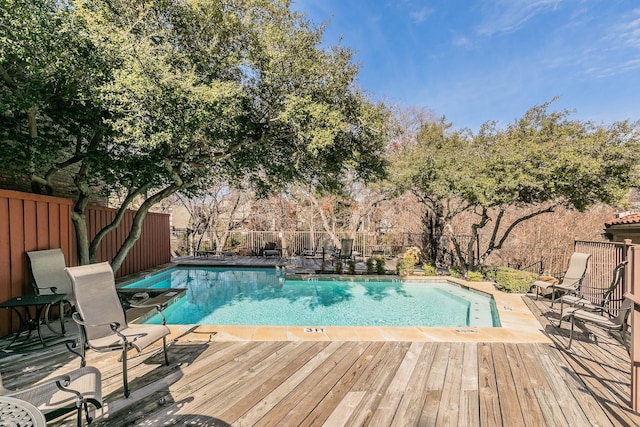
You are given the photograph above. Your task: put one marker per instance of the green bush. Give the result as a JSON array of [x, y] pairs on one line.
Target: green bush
[[407, 261], [338, 267], [351, 267], [380, 265], [475, 276], [371, 267], [404, 267], [516, 281], [429, 270], [454, 271]]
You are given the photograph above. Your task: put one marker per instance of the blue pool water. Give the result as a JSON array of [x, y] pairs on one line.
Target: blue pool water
[[244, 296]]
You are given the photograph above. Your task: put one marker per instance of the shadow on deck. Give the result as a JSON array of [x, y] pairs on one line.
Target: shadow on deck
[[247, 383]]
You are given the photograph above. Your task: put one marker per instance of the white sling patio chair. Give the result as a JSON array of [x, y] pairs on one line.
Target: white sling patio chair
[[580, 300], [49, 277], [570, 281], [604, 321], [102, 321], [72, 391]]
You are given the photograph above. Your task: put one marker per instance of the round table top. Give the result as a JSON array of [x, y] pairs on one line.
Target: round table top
[[16, 412]]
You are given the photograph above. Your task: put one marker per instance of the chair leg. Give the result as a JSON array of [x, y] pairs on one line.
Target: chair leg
[[86, 411], [124, 372], [164, 346], [561, 311], [559, 321], [571, 333], [62, 317], [79, 414]]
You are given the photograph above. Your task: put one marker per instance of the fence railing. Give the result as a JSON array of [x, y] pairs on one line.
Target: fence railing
[[604, 255], [250, 243], [604, 258]]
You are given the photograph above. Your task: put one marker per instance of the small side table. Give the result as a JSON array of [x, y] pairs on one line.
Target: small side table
[[16, 412], [29, 323]]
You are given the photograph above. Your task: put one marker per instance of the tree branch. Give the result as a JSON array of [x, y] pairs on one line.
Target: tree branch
[[522, 219]]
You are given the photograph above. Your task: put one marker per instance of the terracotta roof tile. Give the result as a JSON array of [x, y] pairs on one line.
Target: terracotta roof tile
[[629, 219]]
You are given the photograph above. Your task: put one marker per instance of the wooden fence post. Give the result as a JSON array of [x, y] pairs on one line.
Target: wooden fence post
[[633, 274]]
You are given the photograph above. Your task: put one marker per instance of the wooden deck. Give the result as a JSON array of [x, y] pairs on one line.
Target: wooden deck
[[310, 383]]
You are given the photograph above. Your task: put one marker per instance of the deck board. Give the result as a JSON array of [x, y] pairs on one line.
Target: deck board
[[448, 410], [547, 401], [345, 383], [469, 409], [415, 393], [488, 389], [301, 400], [340, 392], [531, 410]]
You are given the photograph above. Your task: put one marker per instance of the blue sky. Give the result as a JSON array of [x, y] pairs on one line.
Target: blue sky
[[479, 60]]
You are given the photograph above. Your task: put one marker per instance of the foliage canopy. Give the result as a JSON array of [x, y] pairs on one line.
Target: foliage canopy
[[538, 162], [145, 98]]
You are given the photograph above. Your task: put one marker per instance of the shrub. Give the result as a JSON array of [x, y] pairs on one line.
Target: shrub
[[408, 260], [454, 271], [475, 276], [371, 265], [404, 267], [351, 267], [510, 280], [413, 254], [380, 265], [338, 267], [429, 270]]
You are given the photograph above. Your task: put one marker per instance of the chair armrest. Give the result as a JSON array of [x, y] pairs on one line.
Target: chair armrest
[[158, 307], [38, 289], [63, 387], [76, 317], [59, 381]]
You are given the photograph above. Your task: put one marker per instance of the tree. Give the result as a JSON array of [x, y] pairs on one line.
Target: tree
[[216, 212], [539, 162], [183, 93]]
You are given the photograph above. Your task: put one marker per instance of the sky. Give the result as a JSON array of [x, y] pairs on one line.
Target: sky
[[474, 61]]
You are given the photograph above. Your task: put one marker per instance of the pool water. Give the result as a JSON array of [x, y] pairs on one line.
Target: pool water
[[244, 296]]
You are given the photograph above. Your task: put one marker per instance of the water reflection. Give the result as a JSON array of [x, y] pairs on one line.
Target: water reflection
[[264, 297]]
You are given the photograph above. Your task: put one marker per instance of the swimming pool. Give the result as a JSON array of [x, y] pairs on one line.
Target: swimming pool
[[263, 296]]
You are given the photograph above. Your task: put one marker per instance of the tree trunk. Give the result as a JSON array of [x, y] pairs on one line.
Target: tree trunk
[[138, 220], [78, 216], [433, 226], [82, 237]]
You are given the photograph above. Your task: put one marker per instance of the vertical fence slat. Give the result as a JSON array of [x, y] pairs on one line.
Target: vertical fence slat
[[604, 258], [35, 222], [5, 259]]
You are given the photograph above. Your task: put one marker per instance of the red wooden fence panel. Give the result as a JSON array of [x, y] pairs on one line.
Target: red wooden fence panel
[[31, 222], [153, 248], [28, 222]]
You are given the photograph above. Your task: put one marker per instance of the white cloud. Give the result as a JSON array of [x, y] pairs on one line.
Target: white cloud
[[420, 16], [617, 51], [461, 41], [628, 33], [509, 15]]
